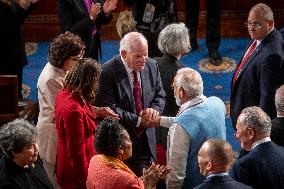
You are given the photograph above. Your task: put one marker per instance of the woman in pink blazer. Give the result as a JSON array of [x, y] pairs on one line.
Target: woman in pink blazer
[[75, 124]]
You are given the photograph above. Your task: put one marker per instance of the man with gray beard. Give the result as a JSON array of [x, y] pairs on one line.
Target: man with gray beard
[[199, 118]]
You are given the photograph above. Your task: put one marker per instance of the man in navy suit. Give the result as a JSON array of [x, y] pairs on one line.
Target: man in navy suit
[[259, 73], [263, 166], [122, 78], [277, 129], [215, 158]]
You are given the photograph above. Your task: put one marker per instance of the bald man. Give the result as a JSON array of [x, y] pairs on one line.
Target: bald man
[[215, 158]]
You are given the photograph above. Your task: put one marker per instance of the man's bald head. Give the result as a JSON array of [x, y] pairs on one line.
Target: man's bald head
[[215, 156]]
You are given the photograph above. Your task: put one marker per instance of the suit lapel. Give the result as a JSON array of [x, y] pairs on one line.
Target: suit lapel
[[255, 53], [80, 4], [124, 81]]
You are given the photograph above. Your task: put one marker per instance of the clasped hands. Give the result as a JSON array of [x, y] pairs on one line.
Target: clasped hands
[[153, 174], [108, 7], [150, 118]]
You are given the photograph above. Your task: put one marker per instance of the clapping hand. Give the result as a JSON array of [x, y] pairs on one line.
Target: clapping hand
[[95, 10], [155, 173], [109, 6]]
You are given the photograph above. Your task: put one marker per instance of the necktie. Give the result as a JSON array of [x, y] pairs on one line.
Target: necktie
[[240, 67], [137, 94], [88, 4]]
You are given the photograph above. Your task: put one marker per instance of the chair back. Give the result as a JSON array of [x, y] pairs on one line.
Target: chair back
[[8, 98]]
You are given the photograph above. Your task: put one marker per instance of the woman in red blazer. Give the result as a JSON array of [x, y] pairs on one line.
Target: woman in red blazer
[[75, 124]]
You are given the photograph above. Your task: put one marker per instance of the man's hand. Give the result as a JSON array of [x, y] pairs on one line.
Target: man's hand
[[109, 6], [150, 118], [95, 11], [104, 112]]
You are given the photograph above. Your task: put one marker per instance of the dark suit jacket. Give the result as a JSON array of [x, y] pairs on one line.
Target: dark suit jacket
[[168, 66], [74, 17], [221, 182], [277, 131], [263, 167], [13, 176], [260, 77], [12, 46], [115, 91]]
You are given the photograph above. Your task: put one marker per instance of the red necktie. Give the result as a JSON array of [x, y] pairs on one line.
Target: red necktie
[[137, 94], [241, 65]]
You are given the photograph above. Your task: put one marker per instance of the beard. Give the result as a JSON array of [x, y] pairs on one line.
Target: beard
[[178, 101]]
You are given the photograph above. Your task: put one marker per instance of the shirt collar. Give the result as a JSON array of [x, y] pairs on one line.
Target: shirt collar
[[256, 143], [128, 69], [217, 174], [260, 40], [192, 102]]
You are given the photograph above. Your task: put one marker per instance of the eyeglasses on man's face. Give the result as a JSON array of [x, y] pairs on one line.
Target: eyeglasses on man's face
[[253, 24]]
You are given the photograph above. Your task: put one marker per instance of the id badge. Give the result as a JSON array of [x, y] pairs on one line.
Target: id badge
[[148, 13]]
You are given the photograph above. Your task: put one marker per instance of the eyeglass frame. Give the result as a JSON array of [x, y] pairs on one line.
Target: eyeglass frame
[[254, 24]]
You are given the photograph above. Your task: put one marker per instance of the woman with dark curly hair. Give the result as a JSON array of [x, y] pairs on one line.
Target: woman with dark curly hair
[[76, 123], [107, 170], [63, 51]]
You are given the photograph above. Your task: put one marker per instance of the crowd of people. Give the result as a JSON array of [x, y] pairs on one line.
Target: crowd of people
[[98, 124]]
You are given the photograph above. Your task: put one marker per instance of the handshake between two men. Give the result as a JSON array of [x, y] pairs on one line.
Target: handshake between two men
[[150, 118]]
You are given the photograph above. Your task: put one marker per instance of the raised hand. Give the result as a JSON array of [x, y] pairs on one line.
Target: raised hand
[[95, 10], [109, 6]]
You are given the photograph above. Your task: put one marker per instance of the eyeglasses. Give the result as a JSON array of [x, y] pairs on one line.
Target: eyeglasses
[[254, 24]]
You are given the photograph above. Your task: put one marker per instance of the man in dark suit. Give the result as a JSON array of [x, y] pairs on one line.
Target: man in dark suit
[[277, 129], [263, 166], [215, 158], [130, 84], [259, 73], [85, 18], [12, 46]]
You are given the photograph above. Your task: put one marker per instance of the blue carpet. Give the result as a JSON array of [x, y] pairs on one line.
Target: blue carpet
[[217, 80]]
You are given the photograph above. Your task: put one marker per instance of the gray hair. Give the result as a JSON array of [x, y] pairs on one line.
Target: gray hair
[[16, 135], [279, 99], [190, 80], [254, 117], [264, 10], [130, 40], [174, 39]]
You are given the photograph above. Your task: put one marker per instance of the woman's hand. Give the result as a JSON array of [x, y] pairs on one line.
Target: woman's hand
[[104, 112], [155, 173]]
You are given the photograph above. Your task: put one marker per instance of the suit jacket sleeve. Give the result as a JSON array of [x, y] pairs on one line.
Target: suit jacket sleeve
[[158, 102], [238, 173], [70, 21], [269, 82]]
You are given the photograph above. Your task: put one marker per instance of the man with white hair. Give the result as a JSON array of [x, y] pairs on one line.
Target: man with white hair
[[263, 166], [131, 86], [199, 118]]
